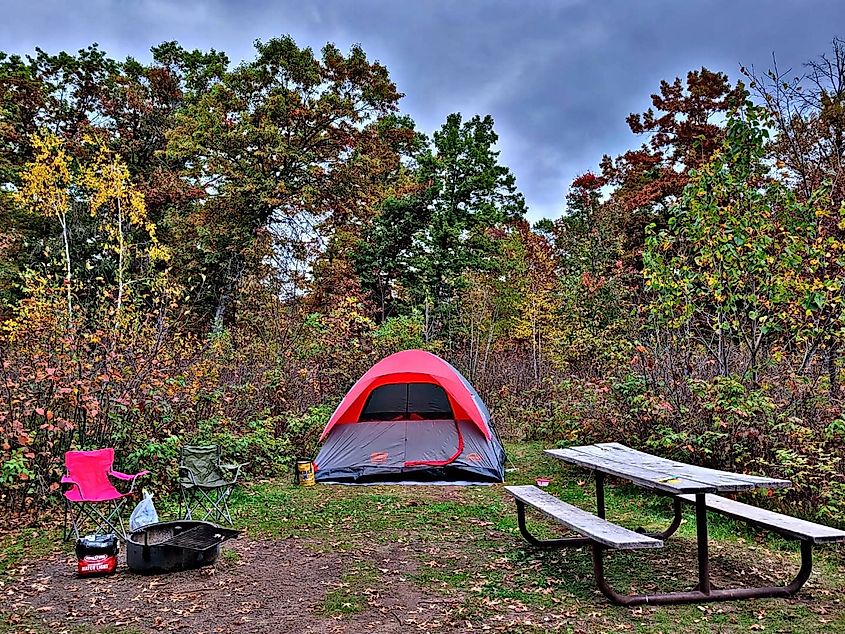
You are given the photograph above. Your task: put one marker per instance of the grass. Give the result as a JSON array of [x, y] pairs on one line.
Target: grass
[[469, 544], [26, 543], [351, 593], [462, 544], [229, 556]]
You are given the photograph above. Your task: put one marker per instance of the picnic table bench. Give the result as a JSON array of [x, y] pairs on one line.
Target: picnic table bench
[[685, 484]]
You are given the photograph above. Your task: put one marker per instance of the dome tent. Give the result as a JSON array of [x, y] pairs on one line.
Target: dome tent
[[411, 417]]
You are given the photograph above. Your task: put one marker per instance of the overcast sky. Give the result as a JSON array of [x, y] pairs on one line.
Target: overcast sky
[[559, 77]]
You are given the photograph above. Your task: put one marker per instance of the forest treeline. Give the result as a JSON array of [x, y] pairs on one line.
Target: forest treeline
[[196, 250]]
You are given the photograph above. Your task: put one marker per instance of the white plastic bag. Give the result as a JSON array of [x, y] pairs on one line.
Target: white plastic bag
[[144, 513]]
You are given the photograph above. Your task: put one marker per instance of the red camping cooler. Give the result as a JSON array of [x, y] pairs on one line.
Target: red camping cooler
[[97, 555]]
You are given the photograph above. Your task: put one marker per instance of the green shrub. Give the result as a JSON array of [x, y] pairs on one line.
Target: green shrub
[[160, 457], [302, 433]]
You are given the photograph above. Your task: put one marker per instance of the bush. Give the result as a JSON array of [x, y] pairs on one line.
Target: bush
[[725, 424]]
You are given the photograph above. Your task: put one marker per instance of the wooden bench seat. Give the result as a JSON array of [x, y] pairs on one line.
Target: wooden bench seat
[[776, 522], [589, 525]]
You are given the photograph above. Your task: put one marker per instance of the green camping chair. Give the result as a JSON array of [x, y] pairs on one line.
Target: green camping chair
[[205, 483]]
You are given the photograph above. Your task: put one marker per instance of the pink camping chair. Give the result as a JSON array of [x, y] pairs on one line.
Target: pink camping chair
[[91, 495]]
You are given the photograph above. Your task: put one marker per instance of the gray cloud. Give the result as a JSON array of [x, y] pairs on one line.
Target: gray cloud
[[559, 77]]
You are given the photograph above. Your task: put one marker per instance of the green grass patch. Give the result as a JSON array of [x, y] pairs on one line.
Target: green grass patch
[[230, 556], [468, 542], [350, 596], [463, 544], [19, 545], [342, 602]]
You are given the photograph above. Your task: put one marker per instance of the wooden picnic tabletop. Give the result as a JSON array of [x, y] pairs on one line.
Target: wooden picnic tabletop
[[660, 474]]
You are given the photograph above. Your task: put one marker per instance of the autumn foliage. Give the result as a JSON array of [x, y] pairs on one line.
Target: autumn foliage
[[195, 251]]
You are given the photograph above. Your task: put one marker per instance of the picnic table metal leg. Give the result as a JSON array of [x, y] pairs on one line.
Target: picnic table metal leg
[[600, 510], [703, 545], [676, 523], [696, 596], [703, 592], [562, 542]]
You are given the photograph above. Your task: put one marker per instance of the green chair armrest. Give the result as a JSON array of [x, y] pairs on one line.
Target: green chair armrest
[[233, 468]]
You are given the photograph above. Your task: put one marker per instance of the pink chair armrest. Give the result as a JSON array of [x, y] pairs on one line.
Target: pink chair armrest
[[66, 479], [126, 476]]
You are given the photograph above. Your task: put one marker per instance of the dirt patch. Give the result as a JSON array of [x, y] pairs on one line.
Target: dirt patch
[[394, 601], [258, 586], [451, 573]]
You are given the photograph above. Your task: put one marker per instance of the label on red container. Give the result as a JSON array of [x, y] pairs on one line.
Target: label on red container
[[97, 564]]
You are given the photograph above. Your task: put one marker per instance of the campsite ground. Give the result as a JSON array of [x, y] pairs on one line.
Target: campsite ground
[[405, 559]]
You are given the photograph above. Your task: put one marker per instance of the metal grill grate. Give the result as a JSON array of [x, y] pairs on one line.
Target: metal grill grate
[[201, 537]]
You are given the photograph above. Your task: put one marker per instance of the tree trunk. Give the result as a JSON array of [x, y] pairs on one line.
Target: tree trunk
[[722, 348], [63, 222], [833, 371], [120, 259]]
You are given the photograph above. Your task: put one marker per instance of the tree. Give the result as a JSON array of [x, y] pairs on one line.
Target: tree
[[46, 185], [808, 115], [592, 282], [469, 193], [421, 244], [380, 180], [581, 234], [741, 268], [123, 212], [530, 285], [684, 127], [125, 106], [270, 144], [381, 255]]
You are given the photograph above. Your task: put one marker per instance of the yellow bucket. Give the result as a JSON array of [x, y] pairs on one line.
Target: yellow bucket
[[305, 473]]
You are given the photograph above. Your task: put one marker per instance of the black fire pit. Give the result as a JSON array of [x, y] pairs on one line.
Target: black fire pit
[[172, 546]]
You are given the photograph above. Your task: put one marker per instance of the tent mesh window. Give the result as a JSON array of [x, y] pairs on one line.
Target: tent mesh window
[[400, 401]]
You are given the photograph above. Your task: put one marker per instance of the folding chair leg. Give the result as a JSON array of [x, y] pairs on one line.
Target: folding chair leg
[[75, 515], [118, 513], [189, 499], [226, 514], [64, 523], [221, 505], [73, 518], [208, 504], [110, 518]]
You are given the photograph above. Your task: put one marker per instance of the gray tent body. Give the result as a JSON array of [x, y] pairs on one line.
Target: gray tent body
[[406, 432], [381, 451]]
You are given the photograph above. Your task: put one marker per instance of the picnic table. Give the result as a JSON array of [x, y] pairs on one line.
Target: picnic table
[[685, 484]]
